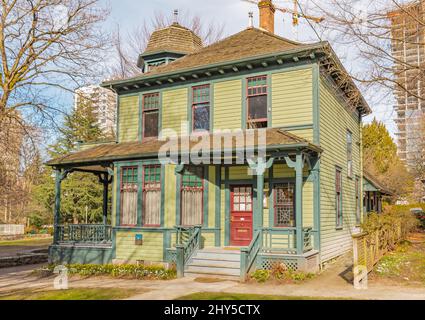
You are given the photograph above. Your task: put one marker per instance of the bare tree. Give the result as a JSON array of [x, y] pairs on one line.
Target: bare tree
[[45, 46], [372, 35], [128, 48]]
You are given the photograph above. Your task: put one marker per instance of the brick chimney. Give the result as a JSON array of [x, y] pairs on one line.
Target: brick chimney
[[267, 11]]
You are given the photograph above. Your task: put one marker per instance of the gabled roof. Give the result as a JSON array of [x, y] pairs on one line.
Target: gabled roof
[[174, 38], [275, 139], [375, 184]]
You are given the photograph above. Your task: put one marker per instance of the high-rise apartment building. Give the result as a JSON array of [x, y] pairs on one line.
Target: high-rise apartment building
[[104, 106], [408, 49]]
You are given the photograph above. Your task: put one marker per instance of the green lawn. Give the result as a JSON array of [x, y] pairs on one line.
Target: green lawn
[[27, 242], [242, 296], [73, 294]]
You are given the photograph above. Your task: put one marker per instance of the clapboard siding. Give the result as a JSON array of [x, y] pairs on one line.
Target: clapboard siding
[[292, 98], [128, 124], [228, 104], [174, 111], [335, 120], [151, 250]]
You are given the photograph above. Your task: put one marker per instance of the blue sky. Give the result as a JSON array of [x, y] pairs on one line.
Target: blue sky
[[234, 15]]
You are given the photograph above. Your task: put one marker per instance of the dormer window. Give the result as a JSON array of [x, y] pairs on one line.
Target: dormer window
[[150, 115], [257, 102], [201, 108]]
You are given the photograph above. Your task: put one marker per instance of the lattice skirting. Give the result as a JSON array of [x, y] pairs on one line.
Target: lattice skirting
[[171, 255], [308, 262]]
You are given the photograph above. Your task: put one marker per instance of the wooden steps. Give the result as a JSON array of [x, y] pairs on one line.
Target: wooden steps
[[215, 262]]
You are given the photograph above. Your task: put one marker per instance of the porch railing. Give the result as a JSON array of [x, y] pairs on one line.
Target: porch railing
[[273, 240], [285, 240], [188, 241], [248, 254], [84, 233]]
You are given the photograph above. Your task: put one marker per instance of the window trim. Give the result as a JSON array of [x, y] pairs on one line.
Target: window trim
[[122, 169], [358, 200], [158, 94], [143, 195], [194, 105], [275, 183], [247, 96], [202, 188], [349, 154], [339, 198]]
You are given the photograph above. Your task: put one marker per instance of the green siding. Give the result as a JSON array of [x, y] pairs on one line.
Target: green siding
[[170, 196], [292, 98], [128, 119], [174, 111], [151, 250], [334, 122], [227, 104]]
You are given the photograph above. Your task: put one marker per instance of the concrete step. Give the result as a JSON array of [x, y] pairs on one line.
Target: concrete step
[[213, 270], [212, 276], [215, 263]]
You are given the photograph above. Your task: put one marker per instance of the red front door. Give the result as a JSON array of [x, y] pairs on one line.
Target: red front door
[[241, 207]]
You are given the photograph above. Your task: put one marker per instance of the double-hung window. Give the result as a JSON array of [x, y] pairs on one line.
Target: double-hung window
[[284, 204], [338, 197], [257, 102], [201, 108], [192, 191], [150, 115], [349, 154], [128, 196], [151, 196]]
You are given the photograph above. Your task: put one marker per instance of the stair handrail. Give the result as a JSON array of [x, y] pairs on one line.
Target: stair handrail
[[185, 250], [249, 254]]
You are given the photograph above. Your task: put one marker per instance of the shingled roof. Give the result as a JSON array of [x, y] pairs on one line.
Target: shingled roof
[[174, 38], [247, 43], [276, 138]]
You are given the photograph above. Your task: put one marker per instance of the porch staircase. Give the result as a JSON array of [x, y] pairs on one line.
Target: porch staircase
[[215, 263]]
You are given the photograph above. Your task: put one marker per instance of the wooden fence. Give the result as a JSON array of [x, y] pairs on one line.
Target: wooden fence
[[368, 248], [12, 229]]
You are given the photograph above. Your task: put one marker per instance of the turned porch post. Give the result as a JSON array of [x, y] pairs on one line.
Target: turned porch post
[[299, 202], [56, 223], [105, 199]]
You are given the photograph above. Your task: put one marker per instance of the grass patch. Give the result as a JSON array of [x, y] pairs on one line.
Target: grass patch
[[243, 296], [73, 294], [27, 242], [405, 264]]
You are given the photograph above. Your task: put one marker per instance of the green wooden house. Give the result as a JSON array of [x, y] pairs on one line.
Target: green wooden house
[[295, 202]]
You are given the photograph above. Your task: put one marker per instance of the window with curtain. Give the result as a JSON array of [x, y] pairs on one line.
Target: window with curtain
[[129, 196], [152, 196], [338, 197], [349, 154], [150, 115], [201, 108], [257, 102], [284, 204], [192, 195]]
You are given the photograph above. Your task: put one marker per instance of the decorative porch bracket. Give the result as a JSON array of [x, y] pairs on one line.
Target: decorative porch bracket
[[60, 176], [259, 167], [298, 165], [179, 168]]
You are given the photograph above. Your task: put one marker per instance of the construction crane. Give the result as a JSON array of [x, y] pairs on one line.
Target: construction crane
[[296, 15]]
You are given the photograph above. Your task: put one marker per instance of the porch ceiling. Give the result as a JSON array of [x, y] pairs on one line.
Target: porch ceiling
[[103, 155]]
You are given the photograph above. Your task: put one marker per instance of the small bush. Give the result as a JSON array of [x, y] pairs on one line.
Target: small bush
[[261, 275], [121, 271]]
